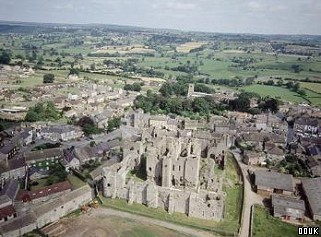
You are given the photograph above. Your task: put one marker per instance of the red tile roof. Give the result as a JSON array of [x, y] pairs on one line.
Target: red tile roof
[[7, 211], [25, 195]]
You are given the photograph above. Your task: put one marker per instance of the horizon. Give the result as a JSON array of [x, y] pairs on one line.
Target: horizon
[[149, 28], [289, 17]]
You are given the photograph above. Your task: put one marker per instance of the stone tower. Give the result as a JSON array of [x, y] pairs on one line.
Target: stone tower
[[190, 90]]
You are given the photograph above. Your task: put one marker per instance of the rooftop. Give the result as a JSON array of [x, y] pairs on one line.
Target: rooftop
[[25, 195], [274, 180], [312, 188], [284, 202]]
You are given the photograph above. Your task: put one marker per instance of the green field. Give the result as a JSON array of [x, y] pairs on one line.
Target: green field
[[275, 92], [75, 181], [266, 225]]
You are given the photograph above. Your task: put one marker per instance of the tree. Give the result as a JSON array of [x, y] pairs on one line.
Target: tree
[[73, 71], [134, 87], [113, 124], [289, 85], [296, 87], [48, 78], [5, 57], [42, 112], [270, 104], [59, 62]]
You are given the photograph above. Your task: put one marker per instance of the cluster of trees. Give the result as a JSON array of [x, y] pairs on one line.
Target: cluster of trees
[[133, 87], [293, 165], [178, 89], [159, 104], [88, 126], [236, 82], [48, 78], [243, 104], [42, 111], [188, 68], [5, 57], [181, 87], [203, 88], [73, 71]]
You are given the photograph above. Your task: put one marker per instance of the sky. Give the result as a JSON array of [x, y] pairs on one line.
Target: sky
[[224, 16]]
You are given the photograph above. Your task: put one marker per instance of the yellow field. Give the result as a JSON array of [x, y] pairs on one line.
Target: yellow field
[[125, 49], [233, 51], [187, 47], [146, 79]]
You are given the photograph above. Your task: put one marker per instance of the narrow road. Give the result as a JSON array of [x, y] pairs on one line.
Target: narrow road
[[181, 229], [250, 198]]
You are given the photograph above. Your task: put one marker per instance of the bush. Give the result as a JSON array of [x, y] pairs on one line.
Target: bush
[[48, 78]]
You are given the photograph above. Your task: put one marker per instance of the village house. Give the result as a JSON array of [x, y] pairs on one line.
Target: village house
[[47, 212], [13, 169], [253, 158], [314, 164], [307, 126], [59, 102], [69, 160], [61, 132], [43, 158], [7, 149], [8, 193], [44, 194], [101, 119], [266, 183], [312, 191], [273, 152], [288, 208]]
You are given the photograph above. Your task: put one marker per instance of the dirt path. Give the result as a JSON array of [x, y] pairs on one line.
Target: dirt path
[[179, 228]]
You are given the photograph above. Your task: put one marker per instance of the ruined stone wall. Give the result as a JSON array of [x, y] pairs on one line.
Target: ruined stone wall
[[173, 165]]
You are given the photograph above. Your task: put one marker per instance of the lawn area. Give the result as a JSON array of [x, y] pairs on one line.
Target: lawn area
[[275, 92], [75, 181], [41, 184], [228, 226], [266, 225]]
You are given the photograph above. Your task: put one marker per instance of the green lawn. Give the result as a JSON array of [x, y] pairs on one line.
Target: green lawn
[[266, 225], [41, 184], [75, 181]]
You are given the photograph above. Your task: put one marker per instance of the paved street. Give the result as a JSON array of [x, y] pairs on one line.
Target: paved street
[[250, 197]]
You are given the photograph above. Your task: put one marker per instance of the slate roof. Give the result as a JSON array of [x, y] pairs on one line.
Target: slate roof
[[9, 191], [6, 148], [43, 154], [17, 163], [283, 204], [274, 180], [58, 129], [312, 189]]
